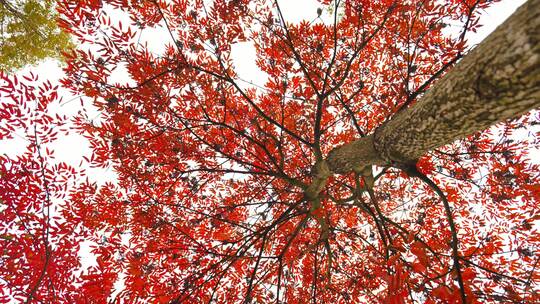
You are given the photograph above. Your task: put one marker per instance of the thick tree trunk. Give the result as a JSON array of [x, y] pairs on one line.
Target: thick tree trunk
[[499, 79]]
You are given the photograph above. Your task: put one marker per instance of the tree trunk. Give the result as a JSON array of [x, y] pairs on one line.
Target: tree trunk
[[497, 80]]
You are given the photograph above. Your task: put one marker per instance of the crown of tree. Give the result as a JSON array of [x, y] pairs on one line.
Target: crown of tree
[[377, 159]]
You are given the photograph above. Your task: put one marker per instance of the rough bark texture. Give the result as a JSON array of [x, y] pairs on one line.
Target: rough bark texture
[[354, 155], [499, 79]]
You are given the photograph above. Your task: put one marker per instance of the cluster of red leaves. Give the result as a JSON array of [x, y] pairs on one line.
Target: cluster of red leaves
[[38, 246], [209, 204]]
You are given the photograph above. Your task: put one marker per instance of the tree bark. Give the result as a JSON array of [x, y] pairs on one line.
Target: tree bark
[[497, 80]]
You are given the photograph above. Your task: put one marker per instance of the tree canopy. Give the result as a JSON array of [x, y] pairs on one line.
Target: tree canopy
[[29, 33], [376, 159]]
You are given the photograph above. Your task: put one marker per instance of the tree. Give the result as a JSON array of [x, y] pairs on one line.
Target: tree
[[29, 33], [360, 171]]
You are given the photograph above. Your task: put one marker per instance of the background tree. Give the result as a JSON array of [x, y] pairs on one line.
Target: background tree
[[338, 179], [29, 33]]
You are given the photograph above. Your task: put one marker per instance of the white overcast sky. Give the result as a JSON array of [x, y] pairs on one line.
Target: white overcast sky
[[70, 149]]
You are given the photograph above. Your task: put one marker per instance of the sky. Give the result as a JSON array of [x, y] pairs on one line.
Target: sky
[[72, 148]]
